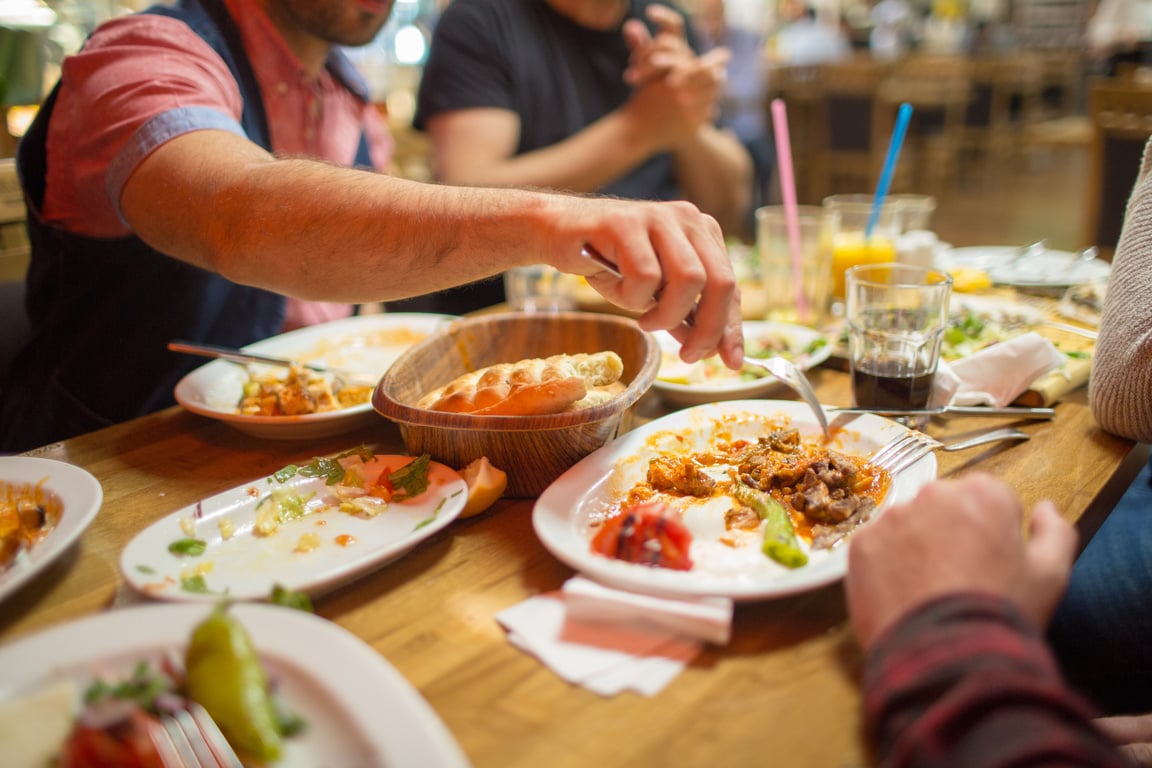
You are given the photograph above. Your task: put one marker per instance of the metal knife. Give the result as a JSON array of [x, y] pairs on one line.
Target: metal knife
[[956, 410]]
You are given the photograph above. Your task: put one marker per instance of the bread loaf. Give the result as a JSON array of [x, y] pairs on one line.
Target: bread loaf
[[531, 387]]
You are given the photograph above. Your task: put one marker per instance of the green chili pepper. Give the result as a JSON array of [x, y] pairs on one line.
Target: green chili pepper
[[225, 676], [780, 542]]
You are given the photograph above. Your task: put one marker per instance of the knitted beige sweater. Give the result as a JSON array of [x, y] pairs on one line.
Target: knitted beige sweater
[[1121, 385]]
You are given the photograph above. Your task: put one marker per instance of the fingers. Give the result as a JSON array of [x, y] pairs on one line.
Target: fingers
[[1052, 548], [1050, 551], [698, 280], [1127, 729], [667, 21]]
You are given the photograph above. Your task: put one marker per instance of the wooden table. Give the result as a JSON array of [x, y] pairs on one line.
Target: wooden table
[[783, 692]]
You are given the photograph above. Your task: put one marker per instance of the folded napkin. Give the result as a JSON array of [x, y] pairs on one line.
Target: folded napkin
[[609, 640], [996, 375]]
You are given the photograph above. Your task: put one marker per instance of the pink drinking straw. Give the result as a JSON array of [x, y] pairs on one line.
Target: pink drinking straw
[[791, 213]]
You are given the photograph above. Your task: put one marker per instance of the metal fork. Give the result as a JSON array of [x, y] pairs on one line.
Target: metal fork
[[191, 739], [787, 372], [910, 447]]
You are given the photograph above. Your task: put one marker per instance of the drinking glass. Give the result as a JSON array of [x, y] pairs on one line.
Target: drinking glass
[[539, 288], [915, 210], [785, 300], [846, 217], [897, 315]]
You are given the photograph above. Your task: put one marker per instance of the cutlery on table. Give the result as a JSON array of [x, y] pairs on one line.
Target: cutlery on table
[[1085, 256], [241, 356], [956, 410], [910, 447], [782, 368]]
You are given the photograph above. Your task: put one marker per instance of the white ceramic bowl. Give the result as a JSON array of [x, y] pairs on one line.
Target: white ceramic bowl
[[682, 385], [367, 344]]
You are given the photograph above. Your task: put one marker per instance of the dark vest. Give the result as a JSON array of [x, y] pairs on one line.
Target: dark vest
[[102, 311]]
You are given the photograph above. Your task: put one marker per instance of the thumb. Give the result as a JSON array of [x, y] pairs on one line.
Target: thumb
[[1053, 540], [1051, 549], [635, 34]]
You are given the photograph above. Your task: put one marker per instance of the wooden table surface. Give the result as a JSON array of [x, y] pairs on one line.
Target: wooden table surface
[[782, 692]]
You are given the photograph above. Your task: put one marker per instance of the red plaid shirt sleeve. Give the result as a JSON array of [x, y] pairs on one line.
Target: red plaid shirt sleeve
[[967, 680]]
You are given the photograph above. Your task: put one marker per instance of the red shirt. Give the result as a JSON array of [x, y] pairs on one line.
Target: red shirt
[[144, 79], [967, 681]]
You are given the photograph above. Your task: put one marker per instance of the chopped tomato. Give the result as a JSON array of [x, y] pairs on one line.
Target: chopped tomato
[[128, 744], [648, 534]]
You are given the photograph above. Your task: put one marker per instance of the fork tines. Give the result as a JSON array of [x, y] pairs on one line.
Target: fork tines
[[193, 740], [903, 452]]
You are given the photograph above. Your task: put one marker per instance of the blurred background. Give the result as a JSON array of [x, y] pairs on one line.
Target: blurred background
[[1030, 115]]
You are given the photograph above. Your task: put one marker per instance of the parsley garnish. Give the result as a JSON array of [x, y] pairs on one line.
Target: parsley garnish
[[326, 467], [189, 547], [411, 479], [195, 584]]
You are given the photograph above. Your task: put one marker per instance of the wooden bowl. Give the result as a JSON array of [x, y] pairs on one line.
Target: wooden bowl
[[532, 450]]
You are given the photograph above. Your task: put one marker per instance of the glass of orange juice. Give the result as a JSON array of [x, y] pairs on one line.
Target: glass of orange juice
[[846, 222]]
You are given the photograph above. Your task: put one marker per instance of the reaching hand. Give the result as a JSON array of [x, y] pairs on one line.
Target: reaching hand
[[1134, 735], [963, 535], [674, 263]]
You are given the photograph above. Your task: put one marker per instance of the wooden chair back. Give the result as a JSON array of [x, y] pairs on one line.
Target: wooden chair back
[[1121, 114], [850, 151]]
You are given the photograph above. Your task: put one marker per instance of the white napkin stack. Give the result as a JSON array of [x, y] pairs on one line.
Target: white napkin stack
[[996, 375], [609, 640]]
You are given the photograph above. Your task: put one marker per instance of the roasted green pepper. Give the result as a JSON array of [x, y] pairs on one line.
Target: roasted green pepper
[[780, 542], [225, 676]]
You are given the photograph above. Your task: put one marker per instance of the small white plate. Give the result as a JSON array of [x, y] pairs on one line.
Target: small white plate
[[680, 384], [358, 709], [246, 566], [1047, 269], [367, 344], [562, 512], [80, 495]]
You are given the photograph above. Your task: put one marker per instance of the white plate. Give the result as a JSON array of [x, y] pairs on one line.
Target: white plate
[[730, 386], [360, 711], [247, 567], [1047, 269], [366, 344], [561, 514], [81, 497]]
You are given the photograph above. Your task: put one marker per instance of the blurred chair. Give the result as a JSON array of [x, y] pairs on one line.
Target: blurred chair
[[14, 254], [800, 87], [939, 88], [849, 148], [1004, 104], [1121, 115]]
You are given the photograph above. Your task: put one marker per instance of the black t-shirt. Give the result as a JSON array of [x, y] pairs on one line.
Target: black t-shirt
[[558, 76]]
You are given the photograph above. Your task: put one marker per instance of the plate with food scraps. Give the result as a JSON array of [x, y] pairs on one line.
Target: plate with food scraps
[[44, 507], [976, 322], [1044, 269], [683, 384], [307, 528], [257, 399], [355, 707], [598, 516]]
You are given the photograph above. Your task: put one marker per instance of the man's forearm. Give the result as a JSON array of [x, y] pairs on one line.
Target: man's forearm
[[967, 681], [586, 161], [318, 231], [714, 171]]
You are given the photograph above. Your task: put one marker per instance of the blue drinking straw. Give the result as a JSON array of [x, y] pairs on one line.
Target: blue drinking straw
[[898, 132]]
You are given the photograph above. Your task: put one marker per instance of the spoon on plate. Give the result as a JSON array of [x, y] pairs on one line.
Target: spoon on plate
[[234, 355]]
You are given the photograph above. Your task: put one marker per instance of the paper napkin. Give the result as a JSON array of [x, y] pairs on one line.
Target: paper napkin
[[996, 375], [609, 640]]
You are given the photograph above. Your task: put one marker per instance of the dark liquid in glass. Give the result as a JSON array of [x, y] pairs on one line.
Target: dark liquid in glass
[[890, 385]]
